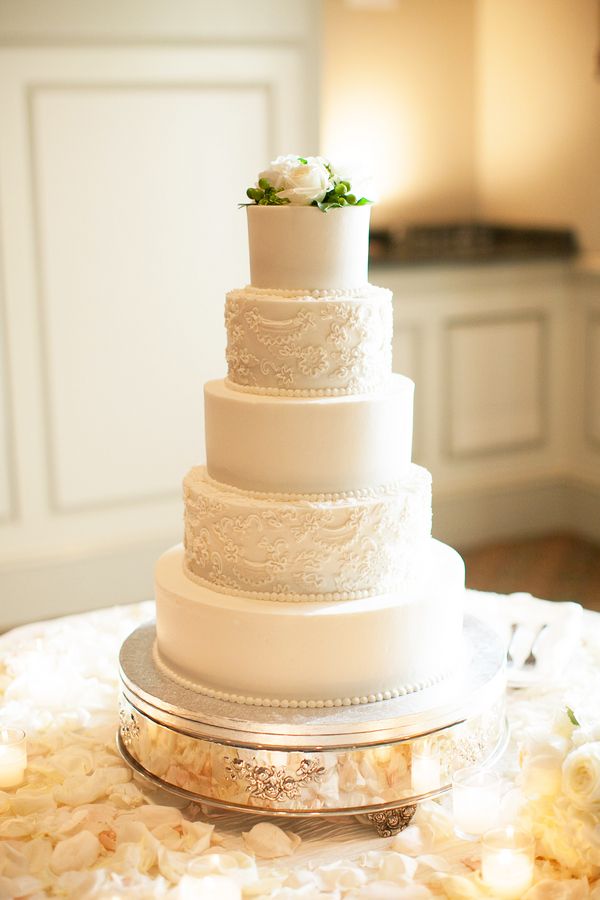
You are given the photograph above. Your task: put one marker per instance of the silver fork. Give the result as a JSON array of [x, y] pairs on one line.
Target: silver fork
[[532, 658]]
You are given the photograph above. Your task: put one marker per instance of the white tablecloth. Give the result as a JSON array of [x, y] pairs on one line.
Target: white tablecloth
[[81, 827]]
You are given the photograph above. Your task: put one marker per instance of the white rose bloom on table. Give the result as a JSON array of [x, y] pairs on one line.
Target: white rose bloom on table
[[581, 776], [560, 781], [541, 765]]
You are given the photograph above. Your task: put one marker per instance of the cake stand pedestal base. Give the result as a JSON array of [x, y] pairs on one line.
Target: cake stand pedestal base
[[365, 760], [392, 821]]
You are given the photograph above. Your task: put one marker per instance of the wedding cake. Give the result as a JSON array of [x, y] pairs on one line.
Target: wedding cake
[[308, 575]]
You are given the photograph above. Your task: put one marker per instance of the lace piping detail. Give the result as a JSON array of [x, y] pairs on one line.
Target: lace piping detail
[[324, 347], [276, 549], [276, 597]]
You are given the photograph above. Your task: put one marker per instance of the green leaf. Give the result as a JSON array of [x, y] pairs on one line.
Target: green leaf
[[572, 717], [363, 201], [303, 161]]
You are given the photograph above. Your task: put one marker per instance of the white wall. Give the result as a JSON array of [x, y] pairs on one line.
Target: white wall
[[470, 108], [129, 133], [398, 95], [538, 113]]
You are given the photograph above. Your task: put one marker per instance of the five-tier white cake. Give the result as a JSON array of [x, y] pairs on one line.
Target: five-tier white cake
[[308, 575]]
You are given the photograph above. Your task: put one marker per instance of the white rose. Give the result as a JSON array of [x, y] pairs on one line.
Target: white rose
[[300, 183], [581, 776], [585, 734], [305, 182], [278, 171], [541, 766]]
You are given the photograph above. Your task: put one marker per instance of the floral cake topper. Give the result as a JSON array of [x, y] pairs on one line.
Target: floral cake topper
[[303, 181]]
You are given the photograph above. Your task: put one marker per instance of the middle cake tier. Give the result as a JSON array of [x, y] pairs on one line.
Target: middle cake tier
[[274, 547], [309, 445]]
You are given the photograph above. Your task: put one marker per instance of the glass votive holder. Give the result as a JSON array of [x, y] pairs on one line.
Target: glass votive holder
[[425, 769], [507, 862], [13, 756], [475, 802]]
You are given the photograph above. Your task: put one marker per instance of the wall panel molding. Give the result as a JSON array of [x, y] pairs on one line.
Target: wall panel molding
[[451, 448], [412, 332], [34, 93], [9, 510], [591, 389]]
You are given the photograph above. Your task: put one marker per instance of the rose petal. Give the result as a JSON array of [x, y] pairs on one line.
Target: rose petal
[[269, 841], [78, 852], [212, 887], [388, 890], [572, 889]]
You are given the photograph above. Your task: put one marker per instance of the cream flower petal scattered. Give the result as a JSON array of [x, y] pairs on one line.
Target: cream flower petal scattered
[[572, 889], [269, 841], [78, 852], [213, 887], [148, 851], [388, 890], [78, 789]]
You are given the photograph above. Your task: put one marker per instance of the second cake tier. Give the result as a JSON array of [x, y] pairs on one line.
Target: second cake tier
[[273, 547]]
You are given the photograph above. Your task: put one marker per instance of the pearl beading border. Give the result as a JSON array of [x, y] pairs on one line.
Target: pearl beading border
[[275, 597], [384, 490], [302, 392], [366, 292], [293, 703]]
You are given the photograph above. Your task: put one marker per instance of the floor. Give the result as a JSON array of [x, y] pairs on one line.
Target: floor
[[555, 567]]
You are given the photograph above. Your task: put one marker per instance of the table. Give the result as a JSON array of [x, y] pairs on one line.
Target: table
[[82, 827]]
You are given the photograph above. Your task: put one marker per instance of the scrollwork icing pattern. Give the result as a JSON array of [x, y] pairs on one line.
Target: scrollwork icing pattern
[[304, 550], [309, 343]]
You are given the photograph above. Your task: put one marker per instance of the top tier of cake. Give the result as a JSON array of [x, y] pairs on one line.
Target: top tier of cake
[[301, 247]]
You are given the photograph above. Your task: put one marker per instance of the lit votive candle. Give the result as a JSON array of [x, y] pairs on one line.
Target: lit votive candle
[[507, 859], [475, 802], [13, 756], [425, 775]]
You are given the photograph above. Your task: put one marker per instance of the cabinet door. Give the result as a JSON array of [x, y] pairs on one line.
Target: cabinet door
[[121, 168]]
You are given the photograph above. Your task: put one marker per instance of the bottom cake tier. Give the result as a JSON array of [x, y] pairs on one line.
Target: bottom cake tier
[[335, 653]]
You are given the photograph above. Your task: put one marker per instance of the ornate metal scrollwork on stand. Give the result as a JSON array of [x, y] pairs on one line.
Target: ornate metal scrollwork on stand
[[389, 822], [316, 762], [128, 726], [273, 783]]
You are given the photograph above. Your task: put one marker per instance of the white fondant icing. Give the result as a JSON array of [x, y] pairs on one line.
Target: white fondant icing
[[302, 247], [308, 446], [303, 549], [292, 344], [285, 702], [296, 654]]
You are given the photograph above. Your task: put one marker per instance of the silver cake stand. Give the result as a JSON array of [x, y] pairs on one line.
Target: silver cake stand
[[376, 760]]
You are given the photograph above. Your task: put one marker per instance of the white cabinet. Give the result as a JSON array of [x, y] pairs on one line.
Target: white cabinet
[[128, 137], [505, 359]]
